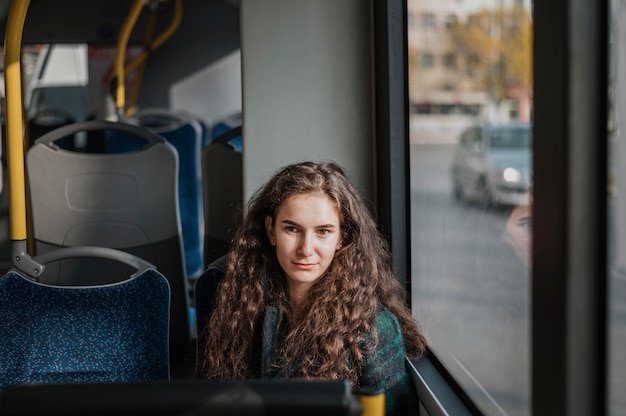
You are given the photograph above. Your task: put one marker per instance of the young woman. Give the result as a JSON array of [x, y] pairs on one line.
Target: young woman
[[309, 291]]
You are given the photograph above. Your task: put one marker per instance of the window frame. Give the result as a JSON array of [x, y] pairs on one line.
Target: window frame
[[570, 202]]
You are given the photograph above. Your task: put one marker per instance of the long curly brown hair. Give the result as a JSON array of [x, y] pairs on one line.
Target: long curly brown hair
[[326, 340]]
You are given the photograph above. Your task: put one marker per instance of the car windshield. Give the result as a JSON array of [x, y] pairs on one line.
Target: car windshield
[[510, 138]]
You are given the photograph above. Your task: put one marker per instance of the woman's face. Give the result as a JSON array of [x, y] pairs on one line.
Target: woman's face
[[306, 235]]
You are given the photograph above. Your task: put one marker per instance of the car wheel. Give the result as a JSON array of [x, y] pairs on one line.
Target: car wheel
[[457, 193], [483, 194]]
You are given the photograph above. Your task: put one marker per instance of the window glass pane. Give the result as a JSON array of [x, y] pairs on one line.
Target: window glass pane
[[617, 210], [471, 201]]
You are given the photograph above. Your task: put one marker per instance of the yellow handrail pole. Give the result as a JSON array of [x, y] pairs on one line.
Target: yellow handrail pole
[[134, 94], [139, 62], [14, 122], [167, 33], [176, 19], [122, 43]]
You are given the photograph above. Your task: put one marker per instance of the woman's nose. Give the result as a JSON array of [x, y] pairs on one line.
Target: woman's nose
[[306, 244]]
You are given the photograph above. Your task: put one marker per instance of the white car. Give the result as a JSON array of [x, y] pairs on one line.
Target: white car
[[492, 164]]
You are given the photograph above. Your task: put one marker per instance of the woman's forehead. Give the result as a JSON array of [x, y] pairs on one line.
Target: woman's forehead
[[309, 206]]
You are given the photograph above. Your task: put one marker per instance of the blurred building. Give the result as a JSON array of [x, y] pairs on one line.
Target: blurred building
[[445, 90]]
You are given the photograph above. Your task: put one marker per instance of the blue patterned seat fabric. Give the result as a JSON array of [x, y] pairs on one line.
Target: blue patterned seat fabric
[[61, 334]]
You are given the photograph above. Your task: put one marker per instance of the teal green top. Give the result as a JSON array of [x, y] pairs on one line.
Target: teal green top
[[383, 370]]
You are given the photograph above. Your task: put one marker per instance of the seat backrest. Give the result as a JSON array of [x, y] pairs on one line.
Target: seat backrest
[[186, 134], [126, 201], [225, 124], [62, 334], [204, 293], [222, 181]]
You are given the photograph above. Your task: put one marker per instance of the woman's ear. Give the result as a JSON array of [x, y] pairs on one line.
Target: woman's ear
[[270, 230]]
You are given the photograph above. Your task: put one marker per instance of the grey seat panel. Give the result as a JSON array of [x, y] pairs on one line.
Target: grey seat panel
[[120, 190]]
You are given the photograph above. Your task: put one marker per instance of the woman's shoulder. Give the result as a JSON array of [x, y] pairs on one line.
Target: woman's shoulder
[[385, 331], [386, 336], [386, 321]]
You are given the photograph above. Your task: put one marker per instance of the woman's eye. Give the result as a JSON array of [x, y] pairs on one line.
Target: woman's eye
[[291, 229], [525, 222]]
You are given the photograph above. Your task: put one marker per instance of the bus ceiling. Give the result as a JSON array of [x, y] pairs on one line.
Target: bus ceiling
[[94, 21]]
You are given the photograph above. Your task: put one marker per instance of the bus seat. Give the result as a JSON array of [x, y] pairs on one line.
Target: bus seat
[[51, 105], [48, 121], [126, 201], [66, 334], [226, 124], [185, 133], [204, 293], [222, 181]]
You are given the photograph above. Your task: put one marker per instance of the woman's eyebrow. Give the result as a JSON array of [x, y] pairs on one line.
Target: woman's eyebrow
[[291, 222]]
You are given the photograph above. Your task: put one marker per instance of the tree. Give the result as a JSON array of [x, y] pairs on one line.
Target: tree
[[496, 46]]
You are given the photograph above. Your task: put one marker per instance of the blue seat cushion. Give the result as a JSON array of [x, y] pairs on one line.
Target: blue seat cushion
[[109, 333]]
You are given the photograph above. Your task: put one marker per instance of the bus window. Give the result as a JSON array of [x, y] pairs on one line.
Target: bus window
[[471, 193]]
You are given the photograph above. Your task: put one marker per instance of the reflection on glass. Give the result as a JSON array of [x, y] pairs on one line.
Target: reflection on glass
[[617, 210], [471, 192], [518, 231]]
